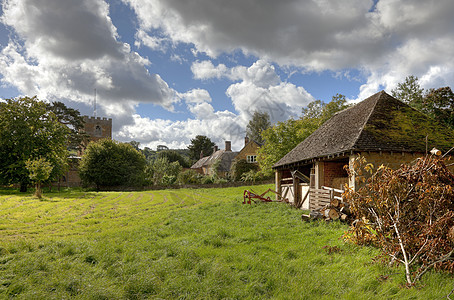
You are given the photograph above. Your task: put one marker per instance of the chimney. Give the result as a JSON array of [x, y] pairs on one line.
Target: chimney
[[246, 140], [201, 154], [215, 148], [228, 146]]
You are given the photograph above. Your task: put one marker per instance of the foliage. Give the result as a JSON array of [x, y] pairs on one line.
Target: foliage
[[40, 170], [189, 177], [436, 103], [281, 139], [284, 136], [439, 104], [200, 145], [28, 131], [71, 118], [241, 166], [162, 172], [260, 121], [184, 244], [135, 145], [110, 163], [410, 92], [174, 156], [408, 213]]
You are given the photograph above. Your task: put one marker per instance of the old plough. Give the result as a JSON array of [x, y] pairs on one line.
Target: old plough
[[249, 196]]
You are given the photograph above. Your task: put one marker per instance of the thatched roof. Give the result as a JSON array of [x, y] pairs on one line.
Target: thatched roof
[[378, 123]]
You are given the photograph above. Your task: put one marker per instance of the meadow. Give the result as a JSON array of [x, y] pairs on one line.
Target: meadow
[[185, 244]]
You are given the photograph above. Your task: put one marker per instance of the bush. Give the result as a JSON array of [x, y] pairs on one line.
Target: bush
[[189, 177], [241, 166], [110, 163], [408, 213]]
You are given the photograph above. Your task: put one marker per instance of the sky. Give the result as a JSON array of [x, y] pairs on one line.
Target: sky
[[168, 70]]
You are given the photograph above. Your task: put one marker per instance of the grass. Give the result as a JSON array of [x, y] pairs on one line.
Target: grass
[[185, 244]]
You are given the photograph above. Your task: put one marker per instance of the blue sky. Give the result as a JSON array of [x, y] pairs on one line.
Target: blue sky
[[168, 70]]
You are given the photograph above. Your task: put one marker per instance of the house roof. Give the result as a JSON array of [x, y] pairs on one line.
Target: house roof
[[226, 158], [378, 123], [200, 162]]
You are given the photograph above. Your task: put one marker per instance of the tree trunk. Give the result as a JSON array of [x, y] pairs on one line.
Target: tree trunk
[[23, 187]]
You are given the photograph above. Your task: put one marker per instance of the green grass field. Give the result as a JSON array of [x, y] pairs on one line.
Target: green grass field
[[185, 244]]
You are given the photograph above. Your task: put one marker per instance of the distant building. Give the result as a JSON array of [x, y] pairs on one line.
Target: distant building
[[96, 128], [249, 151], [220, 159]]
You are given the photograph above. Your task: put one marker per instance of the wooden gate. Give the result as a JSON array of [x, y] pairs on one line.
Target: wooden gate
[[319, 198]]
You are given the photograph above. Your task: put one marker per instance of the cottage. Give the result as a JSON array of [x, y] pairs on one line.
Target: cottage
[[381, 128], [220, 161], [249, 151]]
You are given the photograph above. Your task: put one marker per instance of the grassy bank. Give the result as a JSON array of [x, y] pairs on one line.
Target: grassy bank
[[184, 244]]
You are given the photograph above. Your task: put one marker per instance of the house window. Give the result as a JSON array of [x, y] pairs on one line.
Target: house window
[[251, 158]]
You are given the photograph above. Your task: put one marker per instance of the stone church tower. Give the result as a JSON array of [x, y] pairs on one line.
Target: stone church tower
[[98, 128]]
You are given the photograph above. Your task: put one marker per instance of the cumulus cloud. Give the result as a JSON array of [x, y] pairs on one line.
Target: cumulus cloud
[[257, 88], [219, 126], [64, 49], [386, 40]]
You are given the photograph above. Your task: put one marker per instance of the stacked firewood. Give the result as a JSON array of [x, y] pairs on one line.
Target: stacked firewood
[[336, 210]]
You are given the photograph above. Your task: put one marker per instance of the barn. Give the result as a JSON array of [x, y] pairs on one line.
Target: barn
[[381, 128]]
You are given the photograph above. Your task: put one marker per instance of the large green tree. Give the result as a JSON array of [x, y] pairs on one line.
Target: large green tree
[[439, 104], [410, 92], [110, 163], [174, 156], [260, 121], [73, 120], [28, 131], [284, 136], [200, 144]]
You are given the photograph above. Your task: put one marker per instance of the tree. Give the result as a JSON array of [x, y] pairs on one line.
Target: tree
[[284, 136], [172, 156], [410, 92], [320, 112], [40, 170], [260, 121], [436, 103], [163, 172], [110, 163], [135, 145], [73, 120], [280, 139], [200, 144], [439, 104], [28, 131]]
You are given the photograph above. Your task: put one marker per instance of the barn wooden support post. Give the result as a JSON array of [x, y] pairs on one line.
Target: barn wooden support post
[[278, 179], [296, 190]]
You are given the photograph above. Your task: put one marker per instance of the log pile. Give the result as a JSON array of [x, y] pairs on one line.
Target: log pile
[[336, 210]]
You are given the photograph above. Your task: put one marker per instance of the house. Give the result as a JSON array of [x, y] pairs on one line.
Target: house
[[219, 162], [381, 128], [249, 151]]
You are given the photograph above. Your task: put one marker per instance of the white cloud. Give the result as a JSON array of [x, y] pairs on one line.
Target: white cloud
[[206, 70], [385, 42], [65, 49], [220, 127], [196, 96], [258, 88]]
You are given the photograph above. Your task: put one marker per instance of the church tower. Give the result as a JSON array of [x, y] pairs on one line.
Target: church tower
[[98, 128]]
